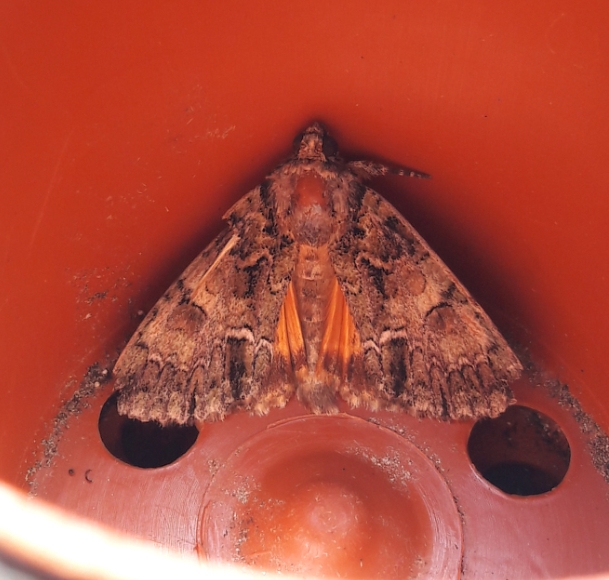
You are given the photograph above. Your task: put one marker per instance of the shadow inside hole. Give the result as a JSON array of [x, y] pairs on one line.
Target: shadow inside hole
[[522, 452], [143, 444]]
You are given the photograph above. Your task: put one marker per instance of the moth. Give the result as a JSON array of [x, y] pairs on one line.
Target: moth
[[318, 287]]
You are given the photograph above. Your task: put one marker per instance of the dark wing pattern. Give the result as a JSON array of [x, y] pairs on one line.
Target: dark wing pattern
[[427, 346], [206, 348]]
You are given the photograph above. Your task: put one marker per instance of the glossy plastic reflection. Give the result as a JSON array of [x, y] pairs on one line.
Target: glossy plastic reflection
[[332, 496]]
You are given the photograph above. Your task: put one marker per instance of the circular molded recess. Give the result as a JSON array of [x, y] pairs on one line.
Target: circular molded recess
[[522, 452], [332, 496], [143, 444]]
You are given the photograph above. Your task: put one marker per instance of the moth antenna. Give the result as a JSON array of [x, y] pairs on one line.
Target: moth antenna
[[374, 169]]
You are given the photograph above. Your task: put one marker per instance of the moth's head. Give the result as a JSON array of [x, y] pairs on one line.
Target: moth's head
[[314, 143]]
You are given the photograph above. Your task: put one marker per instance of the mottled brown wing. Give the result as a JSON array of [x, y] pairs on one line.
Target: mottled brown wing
[[427, 346], [206, 348]]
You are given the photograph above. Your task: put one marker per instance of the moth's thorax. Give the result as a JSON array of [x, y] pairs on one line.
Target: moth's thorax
[[312, 279], [309, 189], [310, 209]]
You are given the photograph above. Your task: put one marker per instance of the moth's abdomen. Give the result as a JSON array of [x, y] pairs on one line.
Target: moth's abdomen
[[319, 337], [312, 280]]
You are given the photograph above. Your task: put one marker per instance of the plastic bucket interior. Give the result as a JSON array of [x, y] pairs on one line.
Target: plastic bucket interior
[[128, 131]]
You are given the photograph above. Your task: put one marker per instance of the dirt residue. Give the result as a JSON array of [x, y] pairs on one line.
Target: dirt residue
[[93, 380], [598, 441]]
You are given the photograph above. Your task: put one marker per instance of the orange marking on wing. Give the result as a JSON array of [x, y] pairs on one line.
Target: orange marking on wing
[[289, 341], [282, 344], [340, 340], [330, 343]]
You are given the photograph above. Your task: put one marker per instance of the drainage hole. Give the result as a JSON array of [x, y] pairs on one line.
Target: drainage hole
[[522, 452], [142, 444]]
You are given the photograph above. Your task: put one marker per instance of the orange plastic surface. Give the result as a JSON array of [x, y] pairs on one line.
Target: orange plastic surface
[[343, 496], [128, 129]]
